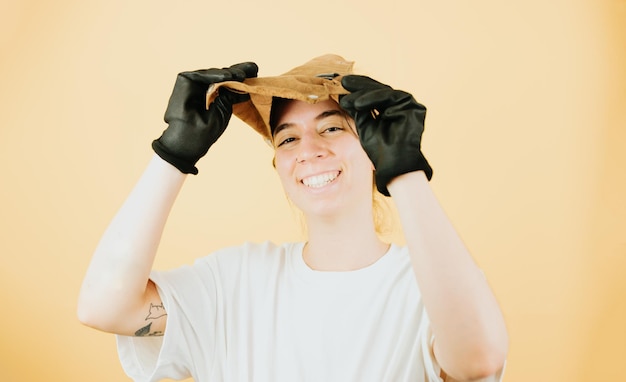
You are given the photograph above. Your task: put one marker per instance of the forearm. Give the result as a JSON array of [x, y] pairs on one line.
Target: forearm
[[470, 333], [118, 274]]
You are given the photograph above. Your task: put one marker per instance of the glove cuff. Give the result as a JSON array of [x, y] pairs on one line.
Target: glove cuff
[[384, 177], [182, 165]]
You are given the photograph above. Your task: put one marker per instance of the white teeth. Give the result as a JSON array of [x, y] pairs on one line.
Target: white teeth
[[318, 181]]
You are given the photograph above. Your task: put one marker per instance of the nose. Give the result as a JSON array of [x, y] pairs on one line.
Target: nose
[[311, 147]]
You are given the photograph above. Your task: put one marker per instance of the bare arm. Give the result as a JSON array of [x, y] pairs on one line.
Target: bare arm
[[116, 295], [471, 339]]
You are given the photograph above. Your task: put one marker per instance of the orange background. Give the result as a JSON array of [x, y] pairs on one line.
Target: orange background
[[525, 131]]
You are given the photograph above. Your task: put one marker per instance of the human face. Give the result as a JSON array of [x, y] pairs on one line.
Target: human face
[[319, 159]]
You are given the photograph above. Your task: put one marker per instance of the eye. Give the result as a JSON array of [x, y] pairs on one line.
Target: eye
[[333, 129], [285, 141]]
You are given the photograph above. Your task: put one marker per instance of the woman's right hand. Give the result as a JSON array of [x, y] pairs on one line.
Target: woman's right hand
[[117, 295], [192, 128]]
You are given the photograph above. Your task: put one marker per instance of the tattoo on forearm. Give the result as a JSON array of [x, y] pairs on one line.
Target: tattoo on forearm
[[155, 312]]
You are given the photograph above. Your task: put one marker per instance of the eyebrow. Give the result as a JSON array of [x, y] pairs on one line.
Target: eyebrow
[[319, 117]]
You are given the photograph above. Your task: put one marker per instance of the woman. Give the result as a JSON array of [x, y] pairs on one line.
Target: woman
[[344, 305]]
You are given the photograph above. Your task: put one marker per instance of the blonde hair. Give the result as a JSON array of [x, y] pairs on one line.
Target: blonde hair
[[381, 213]]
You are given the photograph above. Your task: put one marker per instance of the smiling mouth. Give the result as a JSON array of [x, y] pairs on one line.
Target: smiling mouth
[[321, 180]]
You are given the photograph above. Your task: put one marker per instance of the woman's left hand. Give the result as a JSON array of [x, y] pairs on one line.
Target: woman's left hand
[[390, 124]]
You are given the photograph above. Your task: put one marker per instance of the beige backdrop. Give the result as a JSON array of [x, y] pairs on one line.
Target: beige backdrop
[[525, 131]]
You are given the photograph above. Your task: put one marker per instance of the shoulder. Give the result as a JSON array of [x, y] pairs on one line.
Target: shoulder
[[397, 256], [248, 255], [229, 266]]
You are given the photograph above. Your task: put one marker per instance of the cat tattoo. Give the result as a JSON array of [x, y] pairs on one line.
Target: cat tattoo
[[155, 311]]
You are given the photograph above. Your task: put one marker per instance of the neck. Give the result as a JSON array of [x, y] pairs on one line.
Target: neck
[[343, 244]]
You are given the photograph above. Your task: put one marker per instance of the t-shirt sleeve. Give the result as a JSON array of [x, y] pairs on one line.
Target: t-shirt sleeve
[[432, 370], [190, 295]]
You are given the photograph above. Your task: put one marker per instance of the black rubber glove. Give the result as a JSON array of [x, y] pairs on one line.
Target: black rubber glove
[[192, 128], [390, 125]]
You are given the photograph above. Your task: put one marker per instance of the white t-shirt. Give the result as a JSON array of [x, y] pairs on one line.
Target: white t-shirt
[[257, 312]]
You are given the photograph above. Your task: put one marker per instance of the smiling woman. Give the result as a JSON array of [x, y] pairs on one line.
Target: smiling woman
[[320, 161], [344, 305], [332, 122]]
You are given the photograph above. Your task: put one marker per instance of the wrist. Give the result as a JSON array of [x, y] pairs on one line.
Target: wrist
[[408, 181], [399, 165], [183, 165]]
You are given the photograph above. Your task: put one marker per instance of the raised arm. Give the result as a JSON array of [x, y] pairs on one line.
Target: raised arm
[[117, 295], [471, 339]]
